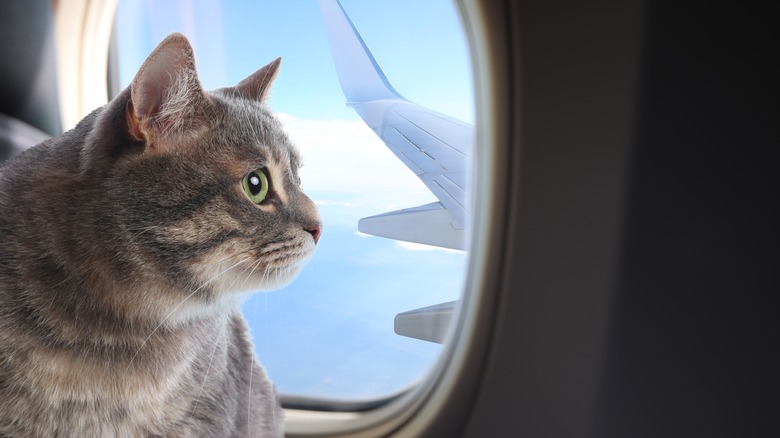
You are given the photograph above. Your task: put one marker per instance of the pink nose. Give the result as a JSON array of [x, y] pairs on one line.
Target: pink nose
[[315, 231]]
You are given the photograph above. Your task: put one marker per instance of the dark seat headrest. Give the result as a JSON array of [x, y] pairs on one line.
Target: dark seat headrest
[[28, 81]]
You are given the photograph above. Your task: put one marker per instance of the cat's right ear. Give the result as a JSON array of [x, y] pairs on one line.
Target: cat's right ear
[[166, 96], [256, 86]]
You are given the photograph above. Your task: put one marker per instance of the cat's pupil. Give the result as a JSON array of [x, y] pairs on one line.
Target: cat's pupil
[[254, 185]]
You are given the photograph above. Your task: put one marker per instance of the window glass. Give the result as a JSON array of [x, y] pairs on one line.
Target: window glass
[[330, 333]]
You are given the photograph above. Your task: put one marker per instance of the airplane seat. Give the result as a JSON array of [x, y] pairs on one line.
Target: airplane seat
[[29, 108]]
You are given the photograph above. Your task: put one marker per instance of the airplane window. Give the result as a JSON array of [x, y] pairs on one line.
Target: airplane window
[[367, 317]]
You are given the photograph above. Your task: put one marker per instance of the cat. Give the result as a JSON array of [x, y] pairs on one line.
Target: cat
[[126, 247]]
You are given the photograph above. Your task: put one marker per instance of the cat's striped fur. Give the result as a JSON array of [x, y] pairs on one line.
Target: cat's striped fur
[[126, 246]]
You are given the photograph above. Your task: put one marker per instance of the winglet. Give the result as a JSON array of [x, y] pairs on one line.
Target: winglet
[[361, 78]]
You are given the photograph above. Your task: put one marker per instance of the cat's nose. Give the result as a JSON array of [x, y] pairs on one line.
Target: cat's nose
[[315, 231]]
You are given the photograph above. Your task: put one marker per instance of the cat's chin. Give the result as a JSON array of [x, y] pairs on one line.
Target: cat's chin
[[276, 278], [268, 279], [281, 279]]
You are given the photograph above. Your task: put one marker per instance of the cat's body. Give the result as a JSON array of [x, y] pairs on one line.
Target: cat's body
[[126, 246]]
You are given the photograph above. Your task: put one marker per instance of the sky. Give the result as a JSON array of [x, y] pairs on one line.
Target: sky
[[329, 334]]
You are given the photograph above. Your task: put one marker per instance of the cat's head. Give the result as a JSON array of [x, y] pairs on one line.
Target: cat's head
[[206, 192]]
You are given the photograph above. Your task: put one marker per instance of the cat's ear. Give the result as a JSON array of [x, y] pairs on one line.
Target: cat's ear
[[166, 96], [256, 85]]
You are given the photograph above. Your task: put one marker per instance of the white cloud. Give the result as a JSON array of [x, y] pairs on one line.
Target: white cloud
[[421, 247], [347, 157], [322, 202]]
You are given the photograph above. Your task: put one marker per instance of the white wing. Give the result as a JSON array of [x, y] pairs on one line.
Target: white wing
[[432, 145]]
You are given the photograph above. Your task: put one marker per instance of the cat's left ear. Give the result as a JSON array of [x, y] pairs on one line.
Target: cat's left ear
[[256, 85]]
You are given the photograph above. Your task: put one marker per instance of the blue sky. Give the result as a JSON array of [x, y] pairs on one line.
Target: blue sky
[[330, 333]]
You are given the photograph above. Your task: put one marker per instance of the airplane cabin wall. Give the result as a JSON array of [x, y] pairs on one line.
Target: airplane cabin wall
[[639, 292]]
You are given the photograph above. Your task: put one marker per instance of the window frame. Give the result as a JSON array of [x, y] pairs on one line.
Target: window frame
[[451, 385]]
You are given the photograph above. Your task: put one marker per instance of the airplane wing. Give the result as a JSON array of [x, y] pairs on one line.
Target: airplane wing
[[434, 146]]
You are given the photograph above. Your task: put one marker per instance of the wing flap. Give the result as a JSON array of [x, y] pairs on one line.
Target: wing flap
[[430, 323], [429, 224]]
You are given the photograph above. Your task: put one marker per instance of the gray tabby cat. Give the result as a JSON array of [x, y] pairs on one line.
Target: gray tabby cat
[[126, 247]]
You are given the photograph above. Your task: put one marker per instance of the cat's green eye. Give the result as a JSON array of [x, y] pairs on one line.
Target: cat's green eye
[[256, 185]]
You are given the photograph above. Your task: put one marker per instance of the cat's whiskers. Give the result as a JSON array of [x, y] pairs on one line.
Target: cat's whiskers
[[165, 319], [233, 256], [237, 277], [255, 265], [228, 285]]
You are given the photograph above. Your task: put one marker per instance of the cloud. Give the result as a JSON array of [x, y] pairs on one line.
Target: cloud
[[328, 202], [347, 157], [421, 247]]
